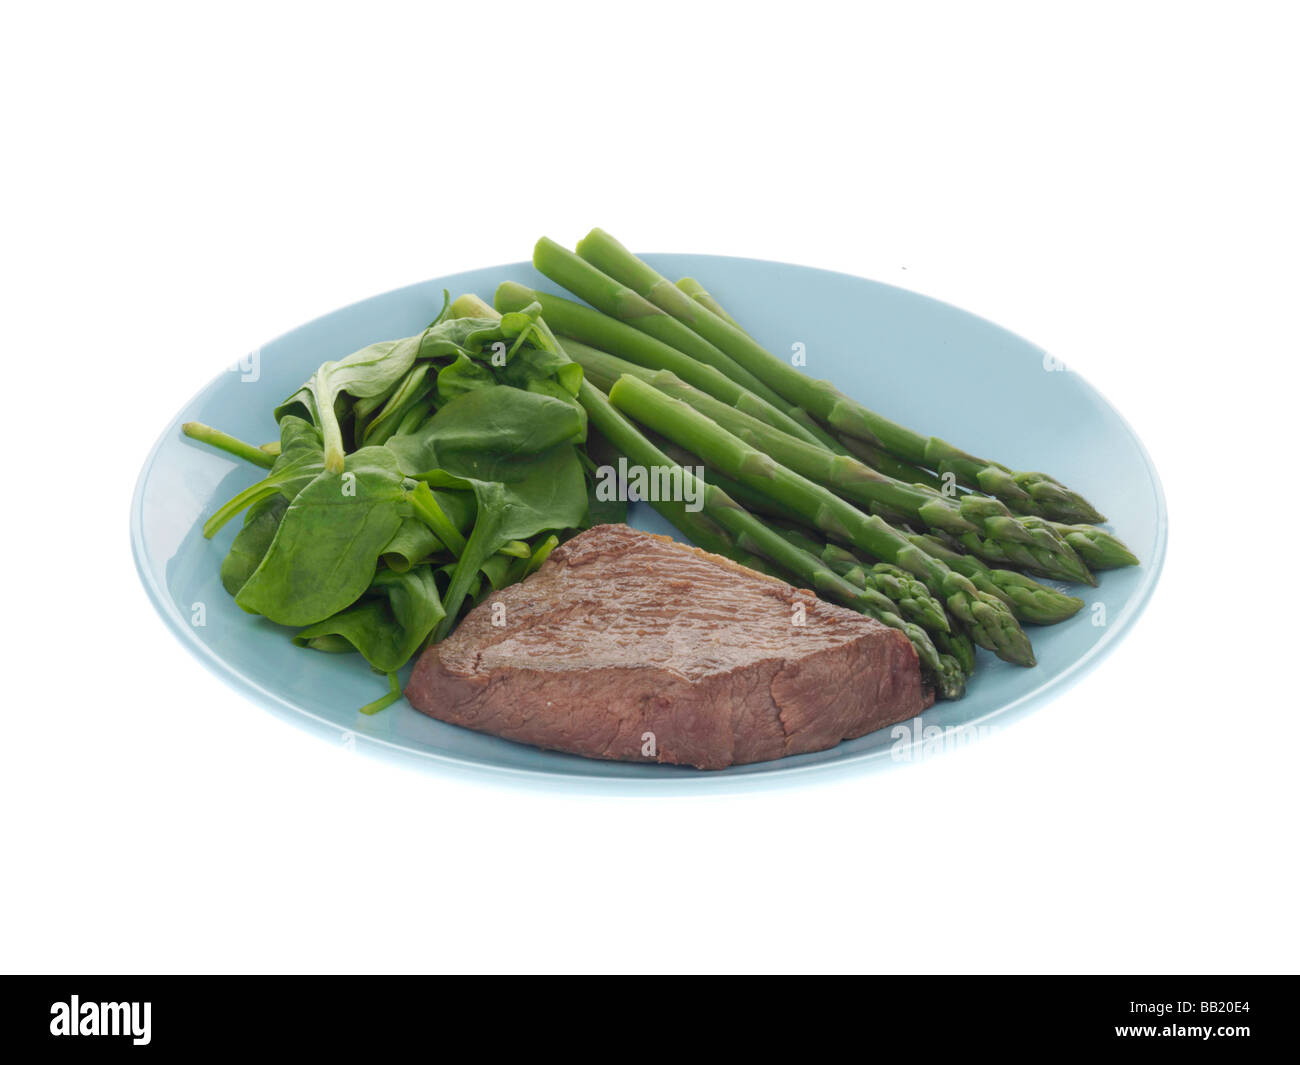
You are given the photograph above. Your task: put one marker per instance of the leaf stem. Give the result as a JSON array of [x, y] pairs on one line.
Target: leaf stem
[[242, 501], [225, 442], [428, 511], [385, 701]]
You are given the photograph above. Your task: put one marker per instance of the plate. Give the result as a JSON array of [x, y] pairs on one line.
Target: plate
[[915, 359]]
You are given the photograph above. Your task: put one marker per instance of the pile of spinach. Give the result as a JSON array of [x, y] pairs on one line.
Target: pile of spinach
[[410, 480]]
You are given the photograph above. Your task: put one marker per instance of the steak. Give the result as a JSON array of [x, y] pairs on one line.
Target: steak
[[631, 646]]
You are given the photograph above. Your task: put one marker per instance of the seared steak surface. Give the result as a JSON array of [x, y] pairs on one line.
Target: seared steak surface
[[631, 646]]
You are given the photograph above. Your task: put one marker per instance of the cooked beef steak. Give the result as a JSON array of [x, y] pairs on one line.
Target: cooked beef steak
[[621, 634]]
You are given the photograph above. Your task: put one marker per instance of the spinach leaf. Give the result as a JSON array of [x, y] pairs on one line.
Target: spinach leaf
[[413, 542], [538, 370], [367, 373], [416, 538], [540, 552], [480, 433], [461, 376], [388, 624], [411, 420], [546, 492], [601, 511], [252, 541], [326, 548], [299, 461], [410, 391], [385, 377], [515, 450], [497, 570]]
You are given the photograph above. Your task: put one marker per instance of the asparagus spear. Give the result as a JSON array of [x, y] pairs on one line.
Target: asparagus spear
[[470, 305], [912, 598], [989, 621], [1028, 600], [620, 302], [829, 442], [600, 333], [702, 296], [957, 646], [744, 535], [1098, 548], [751, 500], [879, 459], [1095, 547], [617, 269], [981, 524], [600, 367]]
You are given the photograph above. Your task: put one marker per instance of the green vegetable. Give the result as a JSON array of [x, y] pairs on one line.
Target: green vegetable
[[1037, 493], [413, 390], [532, 562], [225, 442], [911, 598], [814, 429], [515, 450], [427, 505], [384, 377], [328, 543], [982, 525], [413, 542], [389, 623], [551, 495], [958, 647], [478, 431], [987, 619], [298, 463], [385, 701], [600, 510], [468, 447], [879, 459], [1097, 547], [728, 529], [252, 542], [701, 295], [620, 302], [463, 375], [368, 373], [590, 337], [1028, 600]]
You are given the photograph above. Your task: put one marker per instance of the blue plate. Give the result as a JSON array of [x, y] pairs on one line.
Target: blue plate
[[915, 359]]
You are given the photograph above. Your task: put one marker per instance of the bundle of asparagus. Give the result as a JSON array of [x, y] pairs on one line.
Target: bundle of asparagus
[[802, 481]]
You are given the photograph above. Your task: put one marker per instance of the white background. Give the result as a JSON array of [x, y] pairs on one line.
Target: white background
[[1116, 182]]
